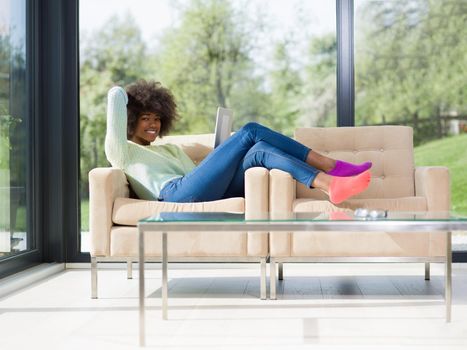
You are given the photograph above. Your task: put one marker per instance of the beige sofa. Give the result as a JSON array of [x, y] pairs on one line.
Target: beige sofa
[[396, 185], [114, 215]]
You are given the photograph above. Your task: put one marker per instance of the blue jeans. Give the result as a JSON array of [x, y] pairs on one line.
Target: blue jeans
[[222, 173]]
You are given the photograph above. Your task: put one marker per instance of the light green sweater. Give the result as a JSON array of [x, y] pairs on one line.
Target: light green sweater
[[148, 168]]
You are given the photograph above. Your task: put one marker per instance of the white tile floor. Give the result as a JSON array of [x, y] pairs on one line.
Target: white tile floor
[[216, 306]]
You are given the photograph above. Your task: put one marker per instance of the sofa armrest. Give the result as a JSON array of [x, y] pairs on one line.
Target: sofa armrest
[[256, 191], [282, 191], [105, 185], [282, 194], [257, 202], [433, 183]]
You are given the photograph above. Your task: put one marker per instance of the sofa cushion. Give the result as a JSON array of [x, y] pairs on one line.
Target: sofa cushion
[[124, 243], [367, 244], [393, 204], [127, 211], [364, 244]]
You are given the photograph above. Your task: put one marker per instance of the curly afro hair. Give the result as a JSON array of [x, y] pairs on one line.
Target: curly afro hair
[[150, 97]]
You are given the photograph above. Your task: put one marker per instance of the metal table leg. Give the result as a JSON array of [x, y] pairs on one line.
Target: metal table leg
[[93, 277], [272, 278], [164, 276], [281, 271], [263, 293], [448, 276], [129, 269], [142, 326], [427, 271]]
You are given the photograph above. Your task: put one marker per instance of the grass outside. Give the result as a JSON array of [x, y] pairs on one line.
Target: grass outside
[[85, 215], [451, 153], [21, 218]]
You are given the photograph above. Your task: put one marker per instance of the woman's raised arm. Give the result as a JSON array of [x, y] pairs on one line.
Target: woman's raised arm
[[116, 144]]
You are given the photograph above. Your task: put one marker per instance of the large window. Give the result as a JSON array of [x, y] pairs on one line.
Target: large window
[[274, 62], [271, 61], [15, 233], [410, 70]]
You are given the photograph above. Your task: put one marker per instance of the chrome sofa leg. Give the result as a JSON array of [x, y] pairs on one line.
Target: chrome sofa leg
[[93, 277], [281, 271], [427, 271], [272, 279], [129, 269], [263, 279]]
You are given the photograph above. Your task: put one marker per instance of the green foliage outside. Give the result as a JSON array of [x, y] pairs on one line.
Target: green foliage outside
[[207, 59], [20, 220], [410, 69], [85, 215], [410, 64], [8, 122], [449, 152]]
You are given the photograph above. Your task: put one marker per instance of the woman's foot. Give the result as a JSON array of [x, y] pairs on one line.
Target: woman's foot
[[344, 169], [335, 167], [342, 188]]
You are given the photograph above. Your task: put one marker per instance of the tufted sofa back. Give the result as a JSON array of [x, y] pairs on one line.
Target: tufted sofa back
[[390, 148]]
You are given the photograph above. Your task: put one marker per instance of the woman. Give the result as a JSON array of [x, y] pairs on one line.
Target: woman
[[146, 110]]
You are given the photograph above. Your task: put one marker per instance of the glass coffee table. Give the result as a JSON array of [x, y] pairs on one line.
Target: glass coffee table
[[408, 222]]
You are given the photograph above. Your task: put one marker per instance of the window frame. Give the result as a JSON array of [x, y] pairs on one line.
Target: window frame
[[28, 258]]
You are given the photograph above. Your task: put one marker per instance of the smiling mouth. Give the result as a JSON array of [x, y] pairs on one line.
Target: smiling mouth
[[152, 132]]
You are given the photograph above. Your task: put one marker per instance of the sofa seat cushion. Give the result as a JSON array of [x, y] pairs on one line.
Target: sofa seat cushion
[[392, 204], [367, 244], [128, 211], [374, 244], [359, 244], [124, 243]]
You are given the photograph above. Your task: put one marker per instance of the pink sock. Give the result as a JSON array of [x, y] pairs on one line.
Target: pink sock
[[348, 169], [344, 187]]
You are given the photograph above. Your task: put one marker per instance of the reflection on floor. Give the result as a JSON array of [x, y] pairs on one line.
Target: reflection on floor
[[216, 306]]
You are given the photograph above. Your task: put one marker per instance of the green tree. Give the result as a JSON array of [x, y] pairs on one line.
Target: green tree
[[13, 108], [118, 49], [206, 61], [4, 100], [114, 55], [318, 104], [411, 63], [286, 85]]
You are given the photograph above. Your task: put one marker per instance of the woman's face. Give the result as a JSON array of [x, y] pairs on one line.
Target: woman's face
[[146, 130]]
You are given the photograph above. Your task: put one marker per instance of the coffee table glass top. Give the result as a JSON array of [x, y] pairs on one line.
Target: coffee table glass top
[[362, 215]]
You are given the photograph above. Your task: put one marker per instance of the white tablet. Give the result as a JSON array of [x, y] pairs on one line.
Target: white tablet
[[224, 119]]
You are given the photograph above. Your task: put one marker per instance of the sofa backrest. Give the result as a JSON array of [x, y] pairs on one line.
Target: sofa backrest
[[390, 148], [197, 147]]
